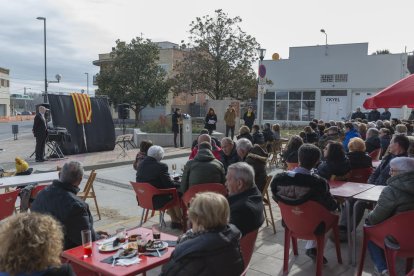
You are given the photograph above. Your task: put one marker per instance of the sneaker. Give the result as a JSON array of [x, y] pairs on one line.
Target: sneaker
[[312, 253], [382, 273]]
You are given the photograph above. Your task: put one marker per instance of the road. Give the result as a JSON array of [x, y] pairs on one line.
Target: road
[[25, 128]]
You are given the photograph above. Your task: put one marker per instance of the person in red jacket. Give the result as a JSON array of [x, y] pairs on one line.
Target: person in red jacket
[[206, 138]]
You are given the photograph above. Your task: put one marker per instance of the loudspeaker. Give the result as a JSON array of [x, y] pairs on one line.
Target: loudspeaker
[[123, 111]]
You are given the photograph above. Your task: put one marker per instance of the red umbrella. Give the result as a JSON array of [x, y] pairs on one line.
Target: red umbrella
[[394, 96]]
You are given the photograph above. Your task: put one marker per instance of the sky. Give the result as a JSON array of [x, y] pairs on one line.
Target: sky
[[79, 30]]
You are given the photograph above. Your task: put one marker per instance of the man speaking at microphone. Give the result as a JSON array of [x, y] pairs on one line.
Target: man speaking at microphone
[[40, 133]]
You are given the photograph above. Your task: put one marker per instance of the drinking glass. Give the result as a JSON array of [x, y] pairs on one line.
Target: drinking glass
[[174, 167], [156, 233], [121, 234], [86, 243]]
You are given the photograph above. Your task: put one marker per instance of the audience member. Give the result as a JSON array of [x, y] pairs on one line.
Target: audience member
[[358, 114], [245, 199], [151, 170], [411, 117], [276, 131], [350, 132], [228, 153], [373, 141], [300, 185], [60, 201], [358, 158], [143, 150], [211, 247], [321, 130], [386, 115], [336, 163], [410, 151], [362, 130], [398, 148], [204, 168], [397, 197], [331, 135], [268, 137], [379, 124], [258, 137], [401, 129], [206, 138], [31, 245], [310, 136], [214, 141], [244, 132], [387, 124], [385, 138], [374, 115], [256, 157], [290, 154], [230, 120]]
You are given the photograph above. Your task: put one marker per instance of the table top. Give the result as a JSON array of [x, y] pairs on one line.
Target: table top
[[12, 181], [375, 164], [371, 194], [345, 189], [94, 263]]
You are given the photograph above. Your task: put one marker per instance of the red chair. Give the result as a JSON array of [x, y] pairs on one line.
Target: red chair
[[199, 188], [7, 202], [145, 192], [247, 246], [375, 154], [360, 175], [301, 222], [400, 228], [411, 273]]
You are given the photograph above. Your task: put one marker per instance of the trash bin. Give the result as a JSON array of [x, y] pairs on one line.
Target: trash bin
[[15, 131]]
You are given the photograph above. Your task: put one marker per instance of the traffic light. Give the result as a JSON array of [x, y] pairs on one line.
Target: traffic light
[[123, 111]]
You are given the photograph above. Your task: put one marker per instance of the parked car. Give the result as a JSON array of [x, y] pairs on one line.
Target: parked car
[[26, 113]]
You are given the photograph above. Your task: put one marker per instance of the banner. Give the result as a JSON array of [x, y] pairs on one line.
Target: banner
[[83, 110]]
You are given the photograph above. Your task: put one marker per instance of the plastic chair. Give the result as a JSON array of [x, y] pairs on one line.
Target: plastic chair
[[244, 273], [360, 175], [247, 246], [199, 188], [267, 203], [291, 166], [411, 273], [375, 154], [145, 192], [89, 191], [300, 222], [7, 202], [399, 227]]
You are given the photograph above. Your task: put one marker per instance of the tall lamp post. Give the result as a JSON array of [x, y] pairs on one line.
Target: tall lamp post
[[326, 41], [44, 38], [87, 83], [262, 53]]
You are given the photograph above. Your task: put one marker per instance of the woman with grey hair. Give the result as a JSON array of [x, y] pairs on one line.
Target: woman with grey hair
[[151, 170], [397, 197], [373, 141]]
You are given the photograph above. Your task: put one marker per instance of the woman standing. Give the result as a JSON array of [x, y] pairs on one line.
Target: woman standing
[[211, 246], [249, 118], [210, 121]]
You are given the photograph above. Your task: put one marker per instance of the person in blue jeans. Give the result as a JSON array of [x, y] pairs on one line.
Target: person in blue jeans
[[397, 197]]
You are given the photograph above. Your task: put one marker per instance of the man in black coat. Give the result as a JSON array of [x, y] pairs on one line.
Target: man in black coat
[[177, 126], [386, 115], [245, 199], [60, 201], [151, 170], [374, 115], [358, 114], [40, 133], [228, 153]]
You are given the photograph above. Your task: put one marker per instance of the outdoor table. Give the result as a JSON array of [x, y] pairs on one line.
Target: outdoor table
[[20, 180], [371, 195], [94, 264], [375, 164], [347, 190]]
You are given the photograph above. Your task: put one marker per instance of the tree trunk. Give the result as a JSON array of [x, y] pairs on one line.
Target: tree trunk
[[137, 111]]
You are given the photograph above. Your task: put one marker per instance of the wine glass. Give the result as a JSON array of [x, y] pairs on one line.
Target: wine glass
[[174, 167]]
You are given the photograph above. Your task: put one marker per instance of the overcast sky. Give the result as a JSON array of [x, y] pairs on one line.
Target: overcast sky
[[78, 30]]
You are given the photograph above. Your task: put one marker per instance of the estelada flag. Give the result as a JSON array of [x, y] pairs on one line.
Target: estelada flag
[[83, 110]]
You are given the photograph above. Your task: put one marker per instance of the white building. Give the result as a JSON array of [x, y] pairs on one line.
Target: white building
[[4, 92], [327, 82]]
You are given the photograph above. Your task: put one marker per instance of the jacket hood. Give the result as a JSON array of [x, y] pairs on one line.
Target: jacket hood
[[258, 153], [66, 186], [204, 155], [403, 182]]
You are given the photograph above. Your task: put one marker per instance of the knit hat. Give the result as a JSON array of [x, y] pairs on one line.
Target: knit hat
[[21, 165]]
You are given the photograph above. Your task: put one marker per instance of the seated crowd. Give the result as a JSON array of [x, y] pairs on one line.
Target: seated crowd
[[322, 152]]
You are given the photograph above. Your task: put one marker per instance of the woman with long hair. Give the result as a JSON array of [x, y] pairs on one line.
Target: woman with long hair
[[210, 121], [290, 154], [336, 163]]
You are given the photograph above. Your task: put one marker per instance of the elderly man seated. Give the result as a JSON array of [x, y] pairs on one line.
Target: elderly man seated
[[206, 138], [60, 201], [151, 170], [246, 203], [204, 168], [256, 157], [397, 197], [228, 153]]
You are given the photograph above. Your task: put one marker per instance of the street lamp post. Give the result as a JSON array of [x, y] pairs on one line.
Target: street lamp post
[[44, 42], [262, 53], [87, 83], [326, 41]]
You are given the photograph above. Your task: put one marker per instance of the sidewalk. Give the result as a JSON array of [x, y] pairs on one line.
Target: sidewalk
[[25, 145]]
